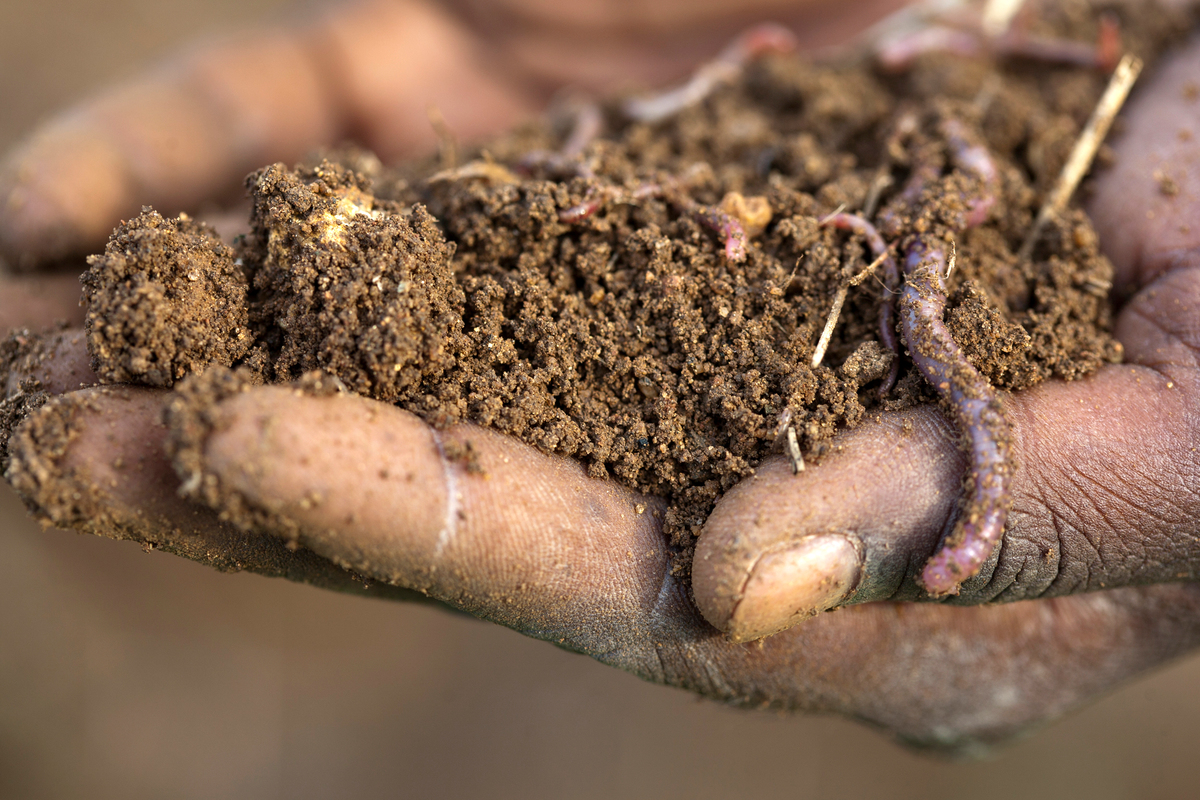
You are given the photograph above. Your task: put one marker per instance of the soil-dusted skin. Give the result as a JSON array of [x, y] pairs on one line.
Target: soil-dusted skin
[[628, 337]]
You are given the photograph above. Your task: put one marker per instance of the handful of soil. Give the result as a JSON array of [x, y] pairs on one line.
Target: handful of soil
[[586, 299]]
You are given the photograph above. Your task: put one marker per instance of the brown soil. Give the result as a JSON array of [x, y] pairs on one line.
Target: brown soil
[[23, 397], [628, 340], [165, 300]]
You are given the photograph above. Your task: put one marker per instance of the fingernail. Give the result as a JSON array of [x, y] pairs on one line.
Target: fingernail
[[788, 586]]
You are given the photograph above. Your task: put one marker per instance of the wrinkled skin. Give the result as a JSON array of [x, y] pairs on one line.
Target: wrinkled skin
[[1106, 496]]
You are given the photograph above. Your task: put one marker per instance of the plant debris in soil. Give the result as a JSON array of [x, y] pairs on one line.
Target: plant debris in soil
[[584, 298]]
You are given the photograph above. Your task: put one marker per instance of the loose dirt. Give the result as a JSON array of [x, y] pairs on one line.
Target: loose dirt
[[628, 339]]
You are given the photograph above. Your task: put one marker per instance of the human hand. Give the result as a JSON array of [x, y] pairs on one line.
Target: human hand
[[538, 547], [528, 541]]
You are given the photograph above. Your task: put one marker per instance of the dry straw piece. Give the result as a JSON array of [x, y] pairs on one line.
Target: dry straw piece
[[1089, 142]]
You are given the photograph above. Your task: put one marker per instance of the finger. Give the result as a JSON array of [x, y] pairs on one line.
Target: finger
[[54, 363], [94, 461], [961, 679], [37, 302], [491, 526], [1145, 206], [187, 132], [193, 129], [1107, 489], [465, 515]]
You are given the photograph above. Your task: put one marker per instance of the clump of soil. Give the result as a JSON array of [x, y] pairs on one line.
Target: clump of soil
[[628, 339], [165, 300], [361, 288]]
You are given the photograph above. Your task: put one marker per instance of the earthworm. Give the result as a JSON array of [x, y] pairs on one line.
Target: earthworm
[[966, 153], [589, 122], [939, 359], [974, 159], [592, 203], [587, 125], [725, 225], [753, 43], [1102, 55], [976, 408], [977, 412], [728, 227], [923, 173], [969, 156], [899, 52], [891, 277]]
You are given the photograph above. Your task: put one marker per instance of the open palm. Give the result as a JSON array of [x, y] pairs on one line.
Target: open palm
[[1106, 496]]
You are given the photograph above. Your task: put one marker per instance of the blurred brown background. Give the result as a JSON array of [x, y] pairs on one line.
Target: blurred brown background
[[130, 675]]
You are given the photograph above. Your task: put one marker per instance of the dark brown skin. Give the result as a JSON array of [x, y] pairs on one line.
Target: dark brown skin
[[1106, 496]]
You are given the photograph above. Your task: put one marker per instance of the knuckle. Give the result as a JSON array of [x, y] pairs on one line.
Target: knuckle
[[1082, 533]]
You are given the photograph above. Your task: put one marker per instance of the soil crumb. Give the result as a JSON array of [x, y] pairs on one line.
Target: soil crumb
[[588, 303], [165, 300]]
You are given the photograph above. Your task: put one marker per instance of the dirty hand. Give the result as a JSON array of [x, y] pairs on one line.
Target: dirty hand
[[1106, 497]]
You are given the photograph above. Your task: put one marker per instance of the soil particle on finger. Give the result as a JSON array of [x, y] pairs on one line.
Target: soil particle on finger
[[23, 356], [13, 410], [59, 485], [192, 413], [589, 305], [35, 454], [195, 411]]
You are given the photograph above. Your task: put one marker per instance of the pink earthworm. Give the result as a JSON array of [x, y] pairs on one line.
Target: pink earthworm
[[975, 406], [923, 173], [978, 414], [753, 43], [966, 153], [725, 225], [728, 227], [588, 123], [891, 277], [599, 196], [1102, 55], [899, 53], [974, 159], [926, 167], [592, 202]]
